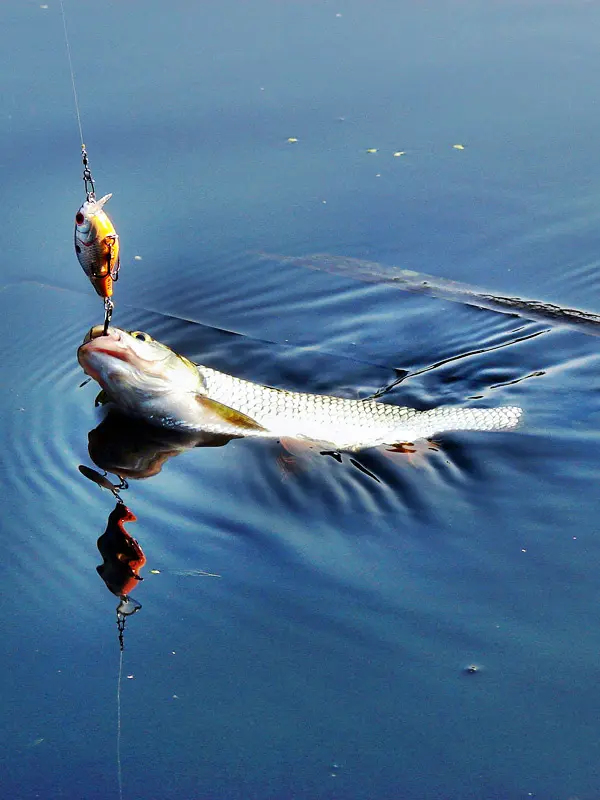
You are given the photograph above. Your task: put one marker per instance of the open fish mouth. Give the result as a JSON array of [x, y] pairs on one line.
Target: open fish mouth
[[109, 343], [98, 330], [100, 353]]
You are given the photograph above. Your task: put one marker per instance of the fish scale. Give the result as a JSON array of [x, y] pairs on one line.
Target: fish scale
[[344, 423]]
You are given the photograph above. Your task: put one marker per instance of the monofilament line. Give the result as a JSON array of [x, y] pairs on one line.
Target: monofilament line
[[119, 774], [62, 9]]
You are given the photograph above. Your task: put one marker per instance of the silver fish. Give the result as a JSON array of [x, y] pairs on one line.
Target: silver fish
[[147, 379]]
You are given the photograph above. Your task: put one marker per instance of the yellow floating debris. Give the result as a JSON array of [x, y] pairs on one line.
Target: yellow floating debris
[[458, 146], [372, 150], [399, 153], [292, 140], [154, 572]]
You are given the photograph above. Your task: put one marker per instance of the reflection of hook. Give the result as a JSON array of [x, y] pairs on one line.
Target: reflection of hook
[[125, 609], [103, 481], [128, 606]]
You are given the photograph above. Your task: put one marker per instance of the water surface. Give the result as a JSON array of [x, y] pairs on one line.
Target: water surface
[[327, 659]]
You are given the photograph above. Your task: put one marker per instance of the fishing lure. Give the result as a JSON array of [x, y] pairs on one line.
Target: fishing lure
[[97, 245], [97, 242]]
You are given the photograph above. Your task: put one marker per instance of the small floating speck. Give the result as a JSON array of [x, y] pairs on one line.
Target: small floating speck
[[175, 697], [399, 153], [523, 550], [472, 669], [458, 146], [130, 677], [372, 150], [154, 572], [378, 175], [338, 15], [292, 139], [137, 258], [44, 6]]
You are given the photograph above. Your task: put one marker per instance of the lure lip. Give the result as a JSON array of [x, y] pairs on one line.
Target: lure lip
[[89, 209]]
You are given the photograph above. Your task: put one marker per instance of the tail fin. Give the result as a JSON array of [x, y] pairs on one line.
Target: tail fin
[[446, 419]]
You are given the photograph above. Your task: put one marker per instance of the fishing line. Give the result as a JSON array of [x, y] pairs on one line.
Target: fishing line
[[119, 772], [96, 240], [68, 46], [125, 609]]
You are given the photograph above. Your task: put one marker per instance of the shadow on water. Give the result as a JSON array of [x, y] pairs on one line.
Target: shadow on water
[[443, 289]]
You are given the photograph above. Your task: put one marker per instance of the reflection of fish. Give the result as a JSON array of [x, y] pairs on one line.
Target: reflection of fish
[[147, 379], [97, 245], [123, 557], [443, 289], [131, 448]]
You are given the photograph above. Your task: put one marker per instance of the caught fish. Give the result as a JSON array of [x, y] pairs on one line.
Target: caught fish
[[147, 379], [97, 245]]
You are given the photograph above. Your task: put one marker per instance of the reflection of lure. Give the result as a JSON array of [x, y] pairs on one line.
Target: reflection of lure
[[123, 557], [97, 245]]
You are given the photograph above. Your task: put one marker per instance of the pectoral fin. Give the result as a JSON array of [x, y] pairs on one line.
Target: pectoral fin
[[215, 410]]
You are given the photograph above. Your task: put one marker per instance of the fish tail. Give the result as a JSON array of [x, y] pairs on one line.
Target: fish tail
[[446, 419]]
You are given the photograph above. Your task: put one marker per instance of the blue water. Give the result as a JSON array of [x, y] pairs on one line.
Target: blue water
[[327, 659]]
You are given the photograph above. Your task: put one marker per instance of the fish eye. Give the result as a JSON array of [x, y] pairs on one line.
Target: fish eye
[[79, 218], [144, 337]]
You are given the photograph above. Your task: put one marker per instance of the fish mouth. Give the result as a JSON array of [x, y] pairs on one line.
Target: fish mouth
[[96, 342], [118, 345], [98, 330]]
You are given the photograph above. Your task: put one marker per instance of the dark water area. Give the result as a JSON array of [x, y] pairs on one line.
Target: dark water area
[[323, 655]]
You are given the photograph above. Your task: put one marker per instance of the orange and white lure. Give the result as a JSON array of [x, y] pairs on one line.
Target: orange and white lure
[[97, 245]]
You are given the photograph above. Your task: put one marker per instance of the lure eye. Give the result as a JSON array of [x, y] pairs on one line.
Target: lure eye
[[79, 218], [143, 337]]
